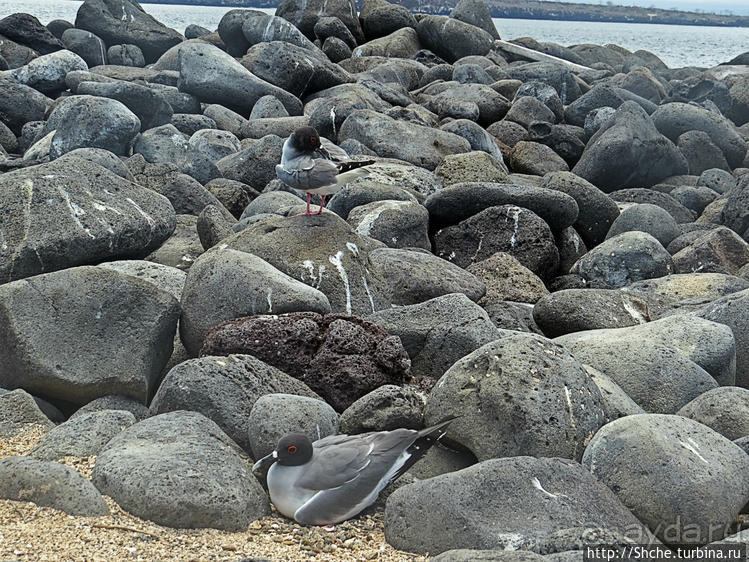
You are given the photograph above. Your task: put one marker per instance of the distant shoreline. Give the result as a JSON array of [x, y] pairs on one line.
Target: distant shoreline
[[530, 9]]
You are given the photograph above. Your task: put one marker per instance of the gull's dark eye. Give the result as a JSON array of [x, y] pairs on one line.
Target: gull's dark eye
[[291, 449], [313, 140]]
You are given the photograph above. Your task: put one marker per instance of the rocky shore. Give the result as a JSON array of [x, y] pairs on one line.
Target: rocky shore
[[554, 251]]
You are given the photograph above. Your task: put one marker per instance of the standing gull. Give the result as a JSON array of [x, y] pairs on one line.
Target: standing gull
[[335, 478], [313, 164]]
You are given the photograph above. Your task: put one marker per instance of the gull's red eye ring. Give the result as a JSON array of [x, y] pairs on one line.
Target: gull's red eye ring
[[291, 449], [313, 140]]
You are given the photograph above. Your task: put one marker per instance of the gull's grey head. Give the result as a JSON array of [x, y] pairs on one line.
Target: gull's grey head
[[293, 449], [306, 139]]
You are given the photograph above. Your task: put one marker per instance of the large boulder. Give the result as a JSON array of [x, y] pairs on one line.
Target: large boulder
[[476, 13], [389, 138], [624, 259], [261, 28], [119, 22], [29, 31], [50, 484], [91, 122], [457, 202], [492, 503], [682, 479], [575, 310], [709, 344], [149, 105], [504, 228], [181, 459], [275, 415], [521, 394], [596, 211], [733, 312], [675, 119], [658, 377], [72, 212], [438, 332], [295, 69], [18, 411], [323, 252], [724, 409], [86, 45], [224, 389], [628, 151], [224, 284], [47, 73], [304, 15], [416, 276], [21, 104], [342, 358], [83, 436], [214, 76], [61, 334], [453, 39]]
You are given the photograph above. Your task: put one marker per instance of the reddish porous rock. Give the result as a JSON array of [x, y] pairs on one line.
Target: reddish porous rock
[[340, 357]]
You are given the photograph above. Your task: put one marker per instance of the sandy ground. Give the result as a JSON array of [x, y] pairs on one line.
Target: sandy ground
[[29, 532]]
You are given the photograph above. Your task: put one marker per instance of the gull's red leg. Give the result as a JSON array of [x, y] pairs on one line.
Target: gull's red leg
[[309, 196], [321, 205]]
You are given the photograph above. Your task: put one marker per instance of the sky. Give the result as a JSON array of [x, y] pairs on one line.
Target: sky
[[737, 7]]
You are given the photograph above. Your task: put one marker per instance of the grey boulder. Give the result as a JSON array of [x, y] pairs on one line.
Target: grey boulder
[[659, 378], [323, 252], [50, 484], [709, 344], [504, 228], [83, 436], [390, 138], [520, 394], [438, 332], [398, 224], [213, 76], [181, 458], [84, 309], [492, 503], [452, 38], [625, 258], [416, 277], [149, 105], [460, 201], [92, 122], [72, 212], [731, 311], [384, 409], [224, 389], [679, 477], [125, 22], [18, 411], [224, 284], [675, 119], [629, 151], [724, 409], [275, 415], [47, 73]]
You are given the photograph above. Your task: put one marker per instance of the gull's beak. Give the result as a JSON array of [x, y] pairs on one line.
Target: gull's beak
[[262, 466]]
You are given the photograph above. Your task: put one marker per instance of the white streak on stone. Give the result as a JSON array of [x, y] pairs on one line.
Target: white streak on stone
[[337, 261], [537, 485], [369, 294], [75, 211], [149, 220], [692, 447], [270, 302], [514, 213]]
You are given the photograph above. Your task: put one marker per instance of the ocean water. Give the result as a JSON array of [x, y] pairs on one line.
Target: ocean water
[[676, 45]]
